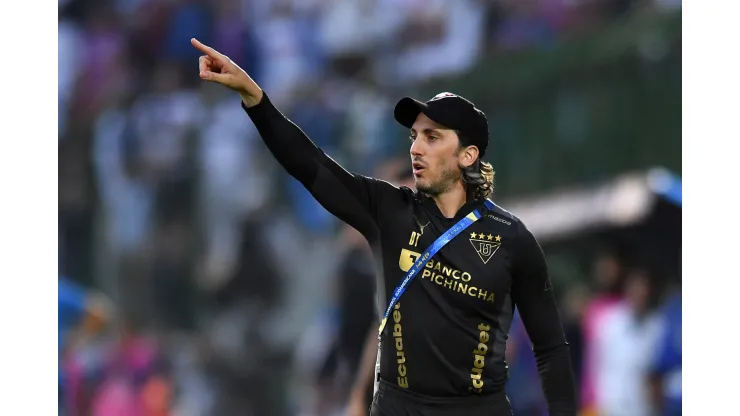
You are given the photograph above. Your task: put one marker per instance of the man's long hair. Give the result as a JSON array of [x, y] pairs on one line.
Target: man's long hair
[[478, 177]]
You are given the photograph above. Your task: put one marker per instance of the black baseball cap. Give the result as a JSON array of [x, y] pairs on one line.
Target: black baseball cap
[[451, 111]]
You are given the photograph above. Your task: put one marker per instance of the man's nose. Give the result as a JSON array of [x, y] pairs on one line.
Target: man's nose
[[417, 148]]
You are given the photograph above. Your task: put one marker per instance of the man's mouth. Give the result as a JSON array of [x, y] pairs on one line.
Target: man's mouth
[[418, 168]]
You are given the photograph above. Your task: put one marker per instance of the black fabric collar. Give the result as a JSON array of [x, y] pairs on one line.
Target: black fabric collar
[[431, 206]]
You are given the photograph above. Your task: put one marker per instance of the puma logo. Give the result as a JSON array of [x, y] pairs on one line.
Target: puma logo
[[421, 227]]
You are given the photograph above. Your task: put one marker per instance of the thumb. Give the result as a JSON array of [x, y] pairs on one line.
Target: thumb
[[215, 77]]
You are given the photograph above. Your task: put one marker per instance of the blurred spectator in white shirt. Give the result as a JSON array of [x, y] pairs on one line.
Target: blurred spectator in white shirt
[[68, 37], [626, 342], [443, 38]]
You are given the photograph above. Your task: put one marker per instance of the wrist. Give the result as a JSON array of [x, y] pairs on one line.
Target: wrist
[[250, 99]]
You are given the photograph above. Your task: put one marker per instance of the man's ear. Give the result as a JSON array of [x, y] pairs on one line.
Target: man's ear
[[468, 156]]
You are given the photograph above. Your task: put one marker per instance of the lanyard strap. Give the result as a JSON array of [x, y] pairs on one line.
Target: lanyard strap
[[427, 255]]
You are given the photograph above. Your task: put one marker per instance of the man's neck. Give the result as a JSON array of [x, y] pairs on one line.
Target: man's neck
[[450, 202]]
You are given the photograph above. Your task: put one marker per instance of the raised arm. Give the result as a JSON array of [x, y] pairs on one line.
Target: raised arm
[[352, 198], [533, 295]]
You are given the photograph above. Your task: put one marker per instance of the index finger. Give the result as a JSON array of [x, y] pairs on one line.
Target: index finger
[[212, 53]]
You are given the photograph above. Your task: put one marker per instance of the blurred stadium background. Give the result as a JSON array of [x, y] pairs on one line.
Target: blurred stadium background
[[231, 292]]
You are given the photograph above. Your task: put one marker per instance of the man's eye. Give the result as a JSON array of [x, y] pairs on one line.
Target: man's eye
[[431, 138], [412, 138]]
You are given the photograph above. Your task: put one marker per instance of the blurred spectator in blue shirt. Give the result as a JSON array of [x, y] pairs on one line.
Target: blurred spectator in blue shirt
[[666, 377], [78, 309]]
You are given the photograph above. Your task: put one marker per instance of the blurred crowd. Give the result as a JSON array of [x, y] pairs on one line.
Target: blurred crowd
[[218, 265]]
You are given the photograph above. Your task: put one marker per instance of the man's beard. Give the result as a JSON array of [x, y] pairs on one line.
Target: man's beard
[[446, 180]]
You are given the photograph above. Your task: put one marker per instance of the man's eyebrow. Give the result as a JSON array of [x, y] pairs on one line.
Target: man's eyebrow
[[429, 130]]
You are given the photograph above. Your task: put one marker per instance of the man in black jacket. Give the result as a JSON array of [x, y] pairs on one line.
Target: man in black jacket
[[442, 350]]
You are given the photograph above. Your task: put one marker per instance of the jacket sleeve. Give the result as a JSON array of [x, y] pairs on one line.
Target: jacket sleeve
[[532, 294]]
